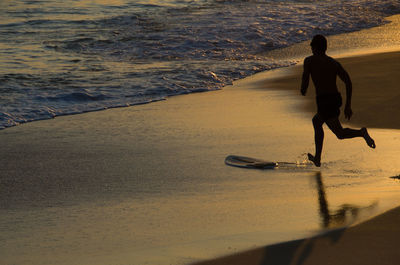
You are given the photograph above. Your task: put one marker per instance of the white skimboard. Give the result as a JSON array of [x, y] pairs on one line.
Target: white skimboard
[[249, 162]]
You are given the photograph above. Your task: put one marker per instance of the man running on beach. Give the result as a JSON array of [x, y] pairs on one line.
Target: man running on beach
[[324, 70]]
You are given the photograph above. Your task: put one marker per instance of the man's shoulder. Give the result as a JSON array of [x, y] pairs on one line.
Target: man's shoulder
[[331, 59], [321, 60], [308, 59], [334, 62]]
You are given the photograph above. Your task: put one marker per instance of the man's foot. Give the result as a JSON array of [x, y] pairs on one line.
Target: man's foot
[[317, 162], [367, 138]]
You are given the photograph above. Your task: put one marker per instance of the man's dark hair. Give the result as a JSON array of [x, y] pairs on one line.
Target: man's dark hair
[[319, 43]]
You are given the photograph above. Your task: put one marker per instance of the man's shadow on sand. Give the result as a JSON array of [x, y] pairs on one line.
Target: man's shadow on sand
[[296, 252]]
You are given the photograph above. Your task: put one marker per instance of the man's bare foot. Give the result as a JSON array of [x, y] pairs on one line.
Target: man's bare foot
[[367, 138], [317, 162]]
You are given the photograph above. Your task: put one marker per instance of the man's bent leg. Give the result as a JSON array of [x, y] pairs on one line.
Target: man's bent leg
[[346, 133], [340, 132]]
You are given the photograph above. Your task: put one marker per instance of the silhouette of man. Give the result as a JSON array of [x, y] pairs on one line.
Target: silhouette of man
[[324, 70]]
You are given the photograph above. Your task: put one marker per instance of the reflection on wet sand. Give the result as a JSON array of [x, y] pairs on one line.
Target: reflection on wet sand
[[344, 215], [303, 251]]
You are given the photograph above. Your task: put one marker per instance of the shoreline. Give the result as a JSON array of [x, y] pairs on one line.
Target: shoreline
[[291, 79], [297, 51]]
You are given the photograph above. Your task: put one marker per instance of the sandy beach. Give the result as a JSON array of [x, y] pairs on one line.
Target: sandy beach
[[148, 184]]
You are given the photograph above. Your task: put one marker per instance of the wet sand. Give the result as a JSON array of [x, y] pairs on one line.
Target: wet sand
[[148, 184]]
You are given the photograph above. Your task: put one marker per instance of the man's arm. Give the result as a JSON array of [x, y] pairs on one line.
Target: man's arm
[[306, 77], [349, 90]]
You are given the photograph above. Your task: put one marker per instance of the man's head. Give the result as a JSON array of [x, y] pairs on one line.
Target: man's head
[[319, 44]]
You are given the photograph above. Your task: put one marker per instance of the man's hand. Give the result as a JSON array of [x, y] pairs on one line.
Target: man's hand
[[348, 112], [303, 91]]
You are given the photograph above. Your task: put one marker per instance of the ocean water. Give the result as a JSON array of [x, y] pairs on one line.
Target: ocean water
[[67, 57]]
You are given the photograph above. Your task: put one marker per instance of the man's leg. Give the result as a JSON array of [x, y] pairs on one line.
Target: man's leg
[[346, 133], [318, 121]]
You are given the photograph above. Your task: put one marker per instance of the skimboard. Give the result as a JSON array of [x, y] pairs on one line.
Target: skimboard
[[249, 162]]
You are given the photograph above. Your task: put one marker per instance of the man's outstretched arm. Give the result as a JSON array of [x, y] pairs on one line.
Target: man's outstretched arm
[[349, 91], [305, 80]]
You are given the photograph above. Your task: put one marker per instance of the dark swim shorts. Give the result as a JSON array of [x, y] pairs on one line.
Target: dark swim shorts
[[328, 106]]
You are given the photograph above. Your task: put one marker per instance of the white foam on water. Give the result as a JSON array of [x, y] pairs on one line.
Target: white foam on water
[[63, 58]]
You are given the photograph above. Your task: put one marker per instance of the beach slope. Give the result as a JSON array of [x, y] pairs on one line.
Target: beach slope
[[376, 93], [372, 242]]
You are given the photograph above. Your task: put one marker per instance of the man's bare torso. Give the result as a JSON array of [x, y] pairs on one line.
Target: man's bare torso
[[323, 70]]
